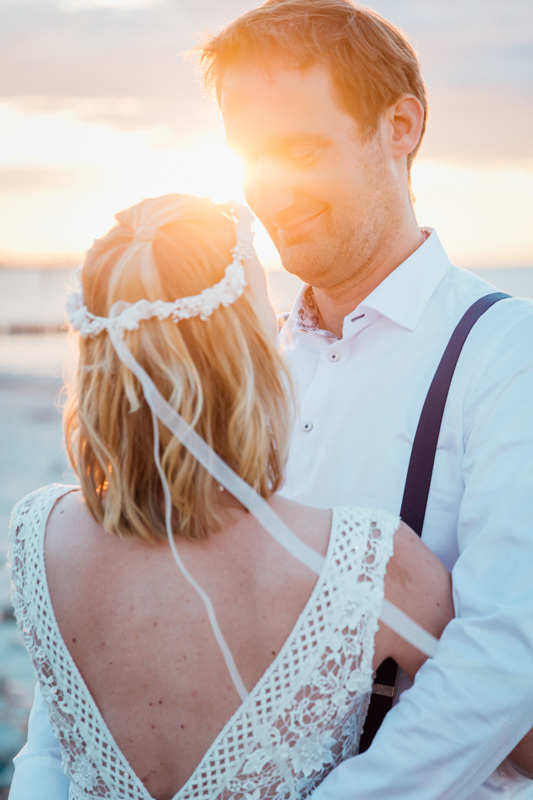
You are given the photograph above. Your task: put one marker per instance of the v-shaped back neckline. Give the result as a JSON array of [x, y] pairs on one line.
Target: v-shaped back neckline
[[240, 711]]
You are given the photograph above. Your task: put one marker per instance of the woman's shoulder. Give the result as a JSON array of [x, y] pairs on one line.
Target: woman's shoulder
[[345, 531], [30, 514], [381, 538]]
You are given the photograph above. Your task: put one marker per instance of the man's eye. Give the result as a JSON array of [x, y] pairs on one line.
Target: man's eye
[[302, 153]]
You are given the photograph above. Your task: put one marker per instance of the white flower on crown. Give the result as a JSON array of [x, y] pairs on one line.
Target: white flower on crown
[[144, 220]]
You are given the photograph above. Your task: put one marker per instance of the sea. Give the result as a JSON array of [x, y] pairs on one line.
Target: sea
[[32, 310], [34, 350]]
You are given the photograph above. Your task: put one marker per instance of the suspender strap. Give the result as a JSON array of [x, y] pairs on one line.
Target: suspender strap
[[418, 481], [415, 496]]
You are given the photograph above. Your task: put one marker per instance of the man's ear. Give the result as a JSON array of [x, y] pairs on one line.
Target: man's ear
[[404, 121]]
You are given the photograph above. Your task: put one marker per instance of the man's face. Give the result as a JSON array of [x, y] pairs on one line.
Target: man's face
[[325, 194]]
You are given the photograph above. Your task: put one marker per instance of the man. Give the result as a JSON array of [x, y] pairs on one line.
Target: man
[[327, 107], [326, 104]]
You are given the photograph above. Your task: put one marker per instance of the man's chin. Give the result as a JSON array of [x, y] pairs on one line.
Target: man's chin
[[309, 277], [297, 259], [296, 268]]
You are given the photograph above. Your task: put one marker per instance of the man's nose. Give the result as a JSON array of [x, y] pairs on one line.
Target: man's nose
[[269, 191]]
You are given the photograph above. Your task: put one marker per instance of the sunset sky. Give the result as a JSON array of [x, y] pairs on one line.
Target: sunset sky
[[98, 108]]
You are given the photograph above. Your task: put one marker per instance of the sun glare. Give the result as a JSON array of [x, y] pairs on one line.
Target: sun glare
[[64, 178]]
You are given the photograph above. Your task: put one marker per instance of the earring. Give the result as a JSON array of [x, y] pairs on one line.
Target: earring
[[219, 487]]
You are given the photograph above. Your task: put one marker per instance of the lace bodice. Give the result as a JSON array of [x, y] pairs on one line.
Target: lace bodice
[[302, 718]]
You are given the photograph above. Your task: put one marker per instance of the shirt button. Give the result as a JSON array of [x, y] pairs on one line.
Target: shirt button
[[334, 356], [307, 426]]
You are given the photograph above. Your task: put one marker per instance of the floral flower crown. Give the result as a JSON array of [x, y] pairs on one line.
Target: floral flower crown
[[145, 221]]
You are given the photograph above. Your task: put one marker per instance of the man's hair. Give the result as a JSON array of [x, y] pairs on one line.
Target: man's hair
[[371, 62], [224, 375]]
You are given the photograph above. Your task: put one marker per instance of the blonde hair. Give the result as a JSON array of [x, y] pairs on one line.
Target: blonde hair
[[224, 375], [371, 62]]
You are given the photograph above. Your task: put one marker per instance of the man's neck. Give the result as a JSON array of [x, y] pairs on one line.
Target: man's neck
[[335, 303]]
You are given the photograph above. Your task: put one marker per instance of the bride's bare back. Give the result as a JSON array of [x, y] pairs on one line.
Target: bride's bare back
[[140, 636]]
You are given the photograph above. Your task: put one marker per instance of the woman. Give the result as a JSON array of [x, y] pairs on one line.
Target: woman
[[245, 675]]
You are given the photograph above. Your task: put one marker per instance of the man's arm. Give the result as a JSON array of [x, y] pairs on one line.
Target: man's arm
[[471, 704], [38, 765]]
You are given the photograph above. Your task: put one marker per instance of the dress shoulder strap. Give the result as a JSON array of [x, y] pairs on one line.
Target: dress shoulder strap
[[32, 512]]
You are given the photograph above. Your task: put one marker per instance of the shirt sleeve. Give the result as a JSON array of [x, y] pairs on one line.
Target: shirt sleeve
[[38, 770], [473, 702]]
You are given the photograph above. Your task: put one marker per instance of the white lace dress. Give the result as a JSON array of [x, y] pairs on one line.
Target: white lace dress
[[303, 717]]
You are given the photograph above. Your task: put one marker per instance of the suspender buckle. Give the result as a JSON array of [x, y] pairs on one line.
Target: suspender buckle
[[382, 690]]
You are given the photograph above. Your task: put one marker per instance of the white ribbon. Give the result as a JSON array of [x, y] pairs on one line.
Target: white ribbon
[[408, 629], [392, 616]]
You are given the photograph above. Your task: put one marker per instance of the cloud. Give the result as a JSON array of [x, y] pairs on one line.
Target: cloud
[[121, 65], [43, 180], [91, 52], [26, 179], [52, 49], [477, 62]]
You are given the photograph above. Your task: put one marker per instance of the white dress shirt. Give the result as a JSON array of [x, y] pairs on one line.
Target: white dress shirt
[[360, 400]]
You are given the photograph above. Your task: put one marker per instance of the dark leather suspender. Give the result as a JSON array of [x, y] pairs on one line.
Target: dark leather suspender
[[418, 481]]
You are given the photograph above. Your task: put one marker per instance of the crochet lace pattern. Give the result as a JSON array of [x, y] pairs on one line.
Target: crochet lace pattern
[[302, 718]]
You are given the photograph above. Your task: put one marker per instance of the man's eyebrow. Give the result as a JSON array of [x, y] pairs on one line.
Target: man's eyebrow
[[279, 143]]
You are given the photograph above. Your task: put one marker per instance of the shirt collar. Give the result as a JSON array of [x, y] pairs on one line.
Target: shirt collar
[[308, 315], [404, 294], [401, 297]]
